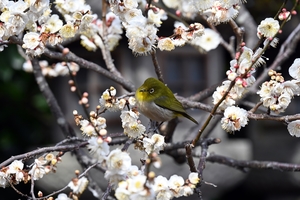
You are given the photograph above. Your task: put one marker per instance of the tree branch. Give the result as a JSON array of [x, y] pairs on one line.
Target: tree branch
[[39, 151], [244, 165]]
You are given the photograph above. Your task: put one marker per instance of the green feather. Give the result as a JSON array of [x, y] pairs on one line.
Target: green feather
[[164, 97]]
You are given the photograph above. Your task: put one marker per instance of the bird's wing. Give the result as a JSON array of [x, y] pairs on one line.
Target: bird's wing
[[165, 102]]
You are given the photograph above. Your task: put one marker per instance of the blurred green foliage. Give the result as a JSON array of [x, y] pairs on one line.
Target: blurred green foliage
[[24, 112]]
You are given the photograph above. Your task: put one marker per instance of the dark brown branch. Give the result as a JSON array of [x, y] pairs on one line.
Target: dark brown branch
[[157, 67], [285, 118], [205, 143], [239, 33], [39, 151], [51, 100], [71, 57], [189, 157], [127, 144], [244, 165], [204, 94]]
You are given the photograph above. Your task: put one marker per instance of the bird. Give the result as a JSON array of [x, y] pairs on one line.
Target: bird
[[156, 101]]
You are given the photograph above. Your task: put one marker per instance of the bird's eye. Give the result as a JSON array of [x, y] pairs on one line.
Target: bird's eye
[[151, 90]]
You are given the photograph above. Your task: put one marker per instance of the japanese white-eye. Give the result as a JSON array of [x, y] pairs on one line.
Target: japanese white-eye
[[157, 102]]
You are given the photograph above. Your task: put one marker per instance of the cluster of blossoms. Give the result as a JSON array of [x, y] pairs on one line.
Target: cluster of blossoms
[[140, 30], [216, 11], [130, 119], [184, 8], [160, 188], [196, 35], [44, 28], [95, 130], [78, 185], [241, 72], [16, 173], [277, 94], [90, 35], [128, 179], [131, 124], [131, 183], [54, 70], [110, 102]]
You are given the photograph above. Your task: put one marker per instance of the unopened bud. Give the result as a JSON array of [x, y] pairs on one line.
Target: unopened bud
[[40, 194]]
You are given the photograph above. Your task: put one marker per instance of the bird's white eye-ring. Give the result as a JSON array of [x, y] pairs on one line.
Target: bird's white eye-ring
[[151, 90]]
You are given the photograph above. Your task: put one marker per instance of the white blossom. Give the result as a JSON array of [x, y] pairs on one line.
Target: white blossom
[[175, 184], [31, 40], [122, 193], [166, 44], [294, 128], [153, 144], [53, 24], [208, 41], [234, 119], [268, 28], [194, 178], [16, 168], [219, 13], [87, 128], [109, 101], [79, 185], [136, 183], [118, 162], [160, 183], [38, 169], [98, 148], [62, 196], [132, 126], [294, 69], [3, 179]]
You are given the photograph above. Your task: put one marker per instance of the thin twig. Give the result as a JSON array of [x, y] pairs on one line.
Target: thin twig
[[254, 109], [32, 188], [107, 192], [239, 33], [127, 144], [189, 157], [201, 165], [214, 110], [17, 191], [65, 187], [244, 165], [157, 67]]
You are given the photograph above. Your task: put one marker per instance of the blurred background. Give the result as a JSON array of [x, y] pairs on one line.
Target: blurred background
[[26, 122]]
